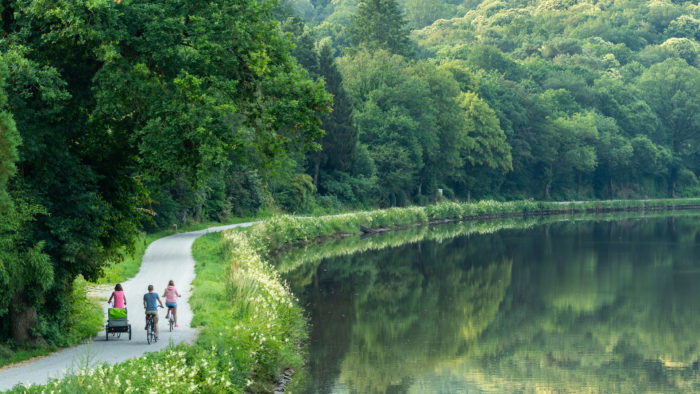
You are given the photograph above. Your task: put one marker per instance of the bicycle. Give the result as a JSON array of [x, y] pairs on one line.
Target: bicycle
[[171, 319], [151, 329], [170, 314]]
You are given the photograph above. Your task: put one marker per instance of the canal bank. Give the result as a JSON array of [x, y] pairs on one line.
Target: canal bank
[[251, 325]]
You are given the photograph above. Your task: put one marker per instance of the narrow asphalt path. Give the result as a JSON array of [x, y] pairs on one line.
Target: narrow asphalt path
[[165, 259]]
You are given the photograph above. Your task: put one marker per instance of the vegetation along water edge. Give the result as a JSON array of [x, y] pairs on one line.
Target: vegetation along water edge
[[252, 328], [85, 317]]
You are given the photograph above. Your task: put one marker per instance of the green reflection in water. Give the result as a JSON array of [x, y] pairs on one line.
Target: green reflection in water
[[607, 306]]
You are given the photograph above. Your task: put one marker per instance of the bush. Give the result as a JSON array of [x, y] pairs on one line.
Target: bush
[[298, 195], [85, 319]]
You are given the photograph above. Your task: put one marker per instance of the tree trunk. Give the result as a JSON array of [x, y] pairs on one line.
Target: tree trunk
[[610, 186], [469, 195], [578, 186], [22, 320], [420, 186], [548, 185], [317, 163]]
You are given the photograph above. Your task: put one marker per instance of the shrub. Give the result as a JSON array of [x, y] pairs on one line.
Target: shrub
[[85, 317]]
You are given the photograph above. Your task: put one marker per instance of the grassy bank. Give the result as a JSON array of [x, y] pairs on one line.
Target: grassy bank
[[251, 330], [251, 325], [284, 231], [307, 257]]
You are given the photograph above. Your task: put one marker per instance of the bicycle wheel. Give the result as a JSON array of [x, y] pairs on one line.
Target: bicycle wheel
[[149, 332], [172, 323], [129, 331]]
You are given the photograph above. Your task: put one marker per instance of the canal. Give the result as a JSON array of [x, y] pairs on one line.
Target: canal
[[561, 304]]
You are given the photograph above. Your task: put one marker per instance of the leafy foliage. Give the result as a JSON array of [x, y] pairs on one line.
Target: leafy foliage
[[122, 103]]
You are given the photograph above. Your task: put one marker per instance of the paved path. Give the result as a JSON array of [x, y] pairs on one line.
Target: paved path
[[166, 258]]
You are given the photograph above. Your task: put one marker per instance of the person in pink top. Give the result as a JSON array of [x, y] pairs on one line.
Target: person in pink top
[[118, 296], [170, 295]]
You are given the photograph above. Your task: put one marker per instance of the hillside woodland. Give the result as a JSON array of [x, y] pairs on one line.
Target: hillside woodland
[[508, 99]]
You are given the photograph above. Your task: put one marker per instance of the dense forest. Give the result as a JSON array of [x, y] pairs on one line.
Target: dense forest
[[506, 99], [119, 116]]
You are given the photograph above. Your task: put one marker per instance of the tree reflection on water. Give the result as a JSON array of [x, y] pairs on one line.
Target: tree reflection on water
[[565, 306]]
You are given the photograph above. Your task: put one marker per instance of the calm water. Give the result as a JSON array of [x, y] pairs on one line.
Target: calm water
[[597, 306]]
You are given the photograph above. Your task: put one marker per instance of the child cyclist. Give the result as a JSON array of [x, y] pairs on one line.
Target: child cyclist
[[118, 296], [149, 302], [169, 294]]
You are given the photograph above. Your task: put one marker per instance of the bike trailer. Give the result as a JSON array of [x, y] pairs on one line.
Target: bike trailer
[[117, 323]]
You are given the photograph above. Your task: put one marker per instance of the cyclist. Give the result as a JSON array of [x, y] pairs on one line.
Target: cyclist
[[149, 302], [119, 297], [169, 294]]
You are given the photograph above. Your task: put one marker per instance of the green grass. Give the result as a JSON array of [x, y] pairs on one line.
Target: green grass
[[241, 303], [208, 300], [10, 353]]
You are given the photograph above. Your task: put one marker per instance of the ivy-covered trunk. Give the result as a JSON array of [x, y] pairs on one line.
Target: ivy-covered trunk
[[22, 319]]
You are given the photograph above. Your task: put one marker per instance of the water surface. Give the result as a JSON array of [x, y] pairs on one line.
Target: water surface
[[573, 305]]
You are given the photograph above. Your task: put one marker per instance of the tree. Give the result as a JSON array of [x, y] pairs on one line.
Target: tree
[[682, 48], [624, 103], [442, 127], [671, 89], [486, 145], [340, 139], [424, 12], [684, 26], [25, 270], [577, 136], [650, 160], [491, 59], [388, 102], [304, 42], [379, 24], [413, 109], [614, 153], [9, 140]]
